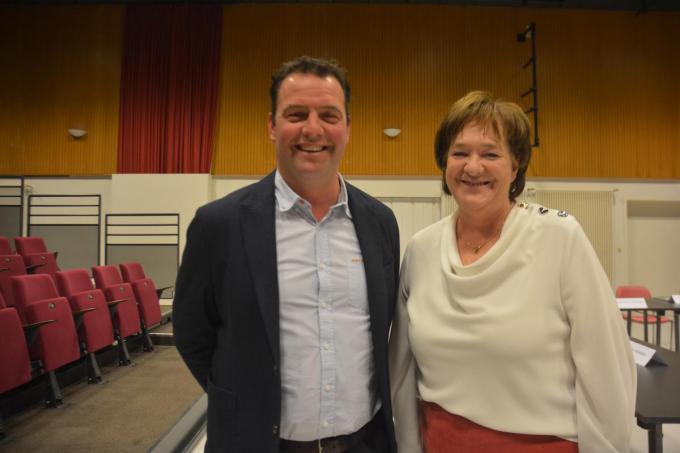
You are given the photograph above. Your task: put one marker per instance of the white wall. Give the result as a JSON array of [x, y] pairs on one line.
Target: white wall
[[645, 247], [152, 194]]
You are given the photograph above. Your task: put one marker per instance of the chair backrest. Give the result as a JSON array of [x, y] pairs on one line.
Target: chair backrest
[[32, 288], [10, 266], [105, 276], [5, 248], [37, 300], [132, 271], [633, 291], [73, 281], [28, 245]]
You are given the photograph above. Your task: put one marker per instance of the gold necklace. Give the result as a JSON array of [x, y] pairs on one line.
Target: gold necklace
[[475, 248]]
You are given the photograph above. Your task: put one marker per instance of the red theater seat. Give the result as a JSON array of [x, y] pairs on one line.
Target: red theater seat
[[10, 266], [133, 271], [108, 279], [5, 248], [38, 259], [56, 345], [96, 329], [145, 290]]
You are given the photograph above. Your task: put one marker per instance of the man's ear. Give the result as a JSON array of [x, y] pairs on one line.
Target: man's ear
[[271, 127]]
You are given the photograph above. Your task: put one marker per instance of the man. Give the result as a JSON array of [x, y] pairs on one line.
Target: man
[[286, 290]]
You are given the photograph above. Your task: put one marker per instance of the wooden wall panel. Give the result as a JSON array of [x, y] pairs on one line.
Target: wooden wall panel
[[60, 69], [608, 89], [608, 81]]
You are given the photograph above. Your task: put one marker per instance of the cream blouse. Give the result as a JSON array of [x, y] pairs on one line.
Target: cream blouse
[[527, 339]]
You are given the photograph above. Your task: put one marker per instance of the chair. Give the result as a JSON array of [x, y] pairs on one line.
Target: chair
[[637, 317], [147, 296], [95, 329], [15, 363], [38, 259], [122, 307], [134, 271], [37, 301], [108, 279], [10, 265], [5, 248]]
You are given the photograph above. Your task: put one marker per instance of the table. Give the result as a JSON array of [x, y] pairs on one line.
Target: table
[[659, 306], [658, 399]]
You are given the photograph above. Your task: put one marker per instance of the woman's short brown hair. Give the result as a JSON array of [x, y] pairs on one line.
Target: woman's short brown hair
[[508, 120]]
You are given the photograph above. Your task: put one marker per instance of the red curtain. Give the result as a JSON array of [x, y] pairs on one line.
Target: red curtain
[[169, 81]]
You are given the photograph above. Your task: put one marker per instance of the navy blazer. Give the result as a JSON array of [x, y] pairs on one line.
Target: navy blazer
[[226, 310]]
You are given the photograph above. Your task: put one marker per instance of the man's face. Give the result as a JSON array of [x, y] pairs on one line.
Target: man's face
[[310, 130]]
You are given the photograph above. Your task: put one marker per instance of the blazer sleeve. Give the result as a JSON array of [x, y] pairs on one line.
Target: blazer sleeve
[[403, 377], [605, 372], [194, 314]]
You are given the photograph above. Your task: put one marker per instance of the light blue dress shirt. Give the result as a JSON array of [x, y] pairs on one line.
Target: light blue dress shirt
[[326, 348]]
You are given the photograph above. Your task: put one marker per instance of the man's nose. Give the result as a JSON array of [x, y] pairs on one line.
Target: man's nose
[[312, 128]]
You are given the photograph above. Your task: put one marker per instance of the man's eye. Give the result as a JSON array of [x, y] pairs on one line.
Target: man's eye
[[295, 116], [331, 118], [491, 155], [458, 153]]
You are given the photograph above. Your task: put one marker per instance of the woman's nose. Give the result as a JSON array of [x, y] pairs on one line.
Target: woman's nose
[[473, 166]]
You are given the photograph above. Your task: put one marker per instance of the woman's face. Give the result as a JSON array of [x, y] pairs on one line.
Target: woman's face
[[480, 169]]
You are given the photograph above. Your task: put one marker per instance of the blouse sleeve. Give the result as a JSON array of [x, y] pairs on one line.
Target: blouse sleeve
[[605, 372], [403, 380]]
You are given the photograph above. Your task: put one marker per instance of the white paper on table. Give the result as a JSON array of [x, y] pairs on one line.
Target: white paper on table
[[675, 298], [632, 303], [644, 354]]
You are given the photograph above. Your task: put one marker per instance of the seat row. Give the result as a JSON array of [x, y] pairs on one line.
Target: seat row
[[33, 250], [49, 321]]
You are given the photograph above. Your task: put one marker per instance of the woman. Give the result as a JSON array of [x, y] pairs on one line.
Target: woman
[[506, 327]]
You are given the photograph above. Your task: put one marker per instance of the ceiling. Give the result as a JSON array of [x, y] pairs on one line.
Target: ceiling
[[638, 6]]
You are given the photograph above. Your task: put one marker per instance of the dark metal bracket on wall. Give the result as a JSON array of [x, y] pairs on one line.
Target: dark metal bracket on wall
[[529, 32]]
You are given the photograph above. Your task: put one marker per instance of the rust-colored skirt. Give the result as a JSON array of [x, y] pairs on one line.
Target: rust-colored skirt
[[443, 432]]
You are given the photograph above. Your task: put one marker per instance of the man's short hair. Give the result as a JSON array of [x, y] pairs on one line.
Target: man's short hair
[[509, 123], [309, 65]]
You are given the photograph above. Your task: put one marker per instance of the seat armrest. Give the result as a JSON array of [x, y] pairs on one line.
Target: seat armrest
[[113, 305], [31, 330], [78, 315], [32, 267], [159, 291]]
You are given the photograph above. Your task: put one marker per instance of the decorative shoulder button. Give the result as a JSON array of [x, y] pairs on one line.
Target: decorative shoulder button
[[542, 210], [523, 205], [563, 213]]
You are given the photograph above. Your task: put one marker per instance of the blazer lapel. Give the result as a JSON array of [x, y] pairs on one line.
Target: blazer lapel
[[259, 236], [369, 234]]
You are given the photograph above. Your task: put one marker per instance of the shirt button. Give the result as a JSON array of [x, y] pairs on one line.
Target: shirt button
[[328, 387], [275, 429], [325, 424], [326, 347]]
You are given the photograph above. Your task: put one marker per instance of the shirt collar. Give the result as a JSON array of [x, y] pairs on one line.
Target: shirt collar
[[286, 196]]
